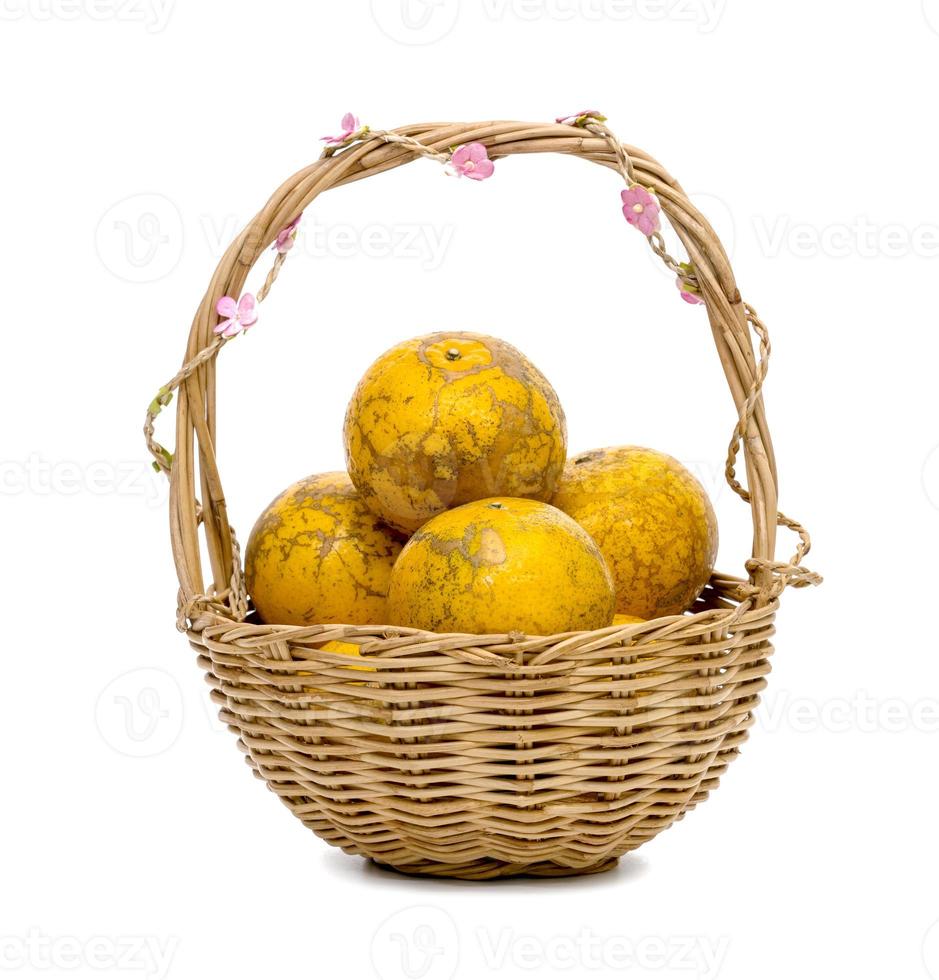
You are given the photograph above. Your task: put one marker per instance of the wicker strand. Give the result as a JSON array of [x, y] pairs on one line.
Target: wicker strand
[[162, 457], [411, 143], [232, 602], [783, 574], [623, 161], [272, 276]]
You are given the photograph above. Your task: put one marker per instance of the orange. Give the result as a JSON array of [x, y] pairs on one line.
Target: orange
[[318, 555], [501, 565], [651, 519], [445, 419], [348, 649], [622, 619]]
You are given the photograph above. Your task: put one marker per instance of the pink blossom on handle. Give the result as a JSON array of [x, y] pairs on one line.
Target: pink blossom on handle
[[287, 236], [350, 126], [687, 284], [693, 298], [581, 118], [238, 316], [470, 160], [641, 209]]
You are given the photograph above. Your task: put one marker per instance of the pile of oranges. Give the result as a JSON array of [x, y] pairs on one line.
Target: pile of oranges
[[461, 513]]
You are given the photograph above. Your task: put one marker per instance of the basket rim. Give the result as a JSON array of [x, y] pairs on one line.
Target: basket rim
[[739, 595]]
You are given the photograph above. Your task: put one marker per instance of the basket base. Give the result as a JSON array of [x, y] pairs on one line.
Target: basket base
[[486, 870]]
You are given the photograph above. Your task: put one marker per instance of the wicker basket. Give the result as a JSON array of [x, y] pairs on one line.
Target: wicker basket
[[481, 756]]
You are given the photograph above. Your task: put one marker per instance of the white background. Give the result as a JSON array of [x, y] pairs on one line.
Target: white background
[[140, 136]]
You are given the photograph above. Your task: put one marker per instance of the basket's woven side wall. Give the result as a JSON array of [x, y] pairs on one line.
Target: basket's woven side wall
[[468, 757], [195, 475]]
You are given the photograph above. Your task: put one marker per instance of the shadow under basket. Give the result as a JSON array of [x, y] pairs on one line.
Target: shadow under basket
[[482, 756]]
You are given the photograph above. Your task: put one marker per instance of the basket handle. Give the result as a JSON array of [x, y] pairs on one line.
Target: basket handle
[[193, 469]]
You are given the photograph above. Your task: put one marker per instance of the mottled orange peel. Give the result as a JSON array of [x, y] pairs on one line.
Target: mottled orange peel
[[449, 418], [652, 521], [318, 555], [498, 566]]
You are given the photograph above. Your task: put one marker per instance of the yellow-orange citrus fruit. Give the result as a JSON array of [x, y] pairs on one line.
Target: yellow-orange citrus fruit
[[445, 419], [349, 649], [501, 565], [341, 646], [318, 555], [651, 519]]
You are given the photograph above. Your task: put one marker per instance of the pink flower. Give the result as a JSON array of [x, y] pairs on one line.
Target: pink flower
[[239, 316], [581, 118], [687, 284], [350, 126], [287, 236], [641, 209], [470, 160]]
